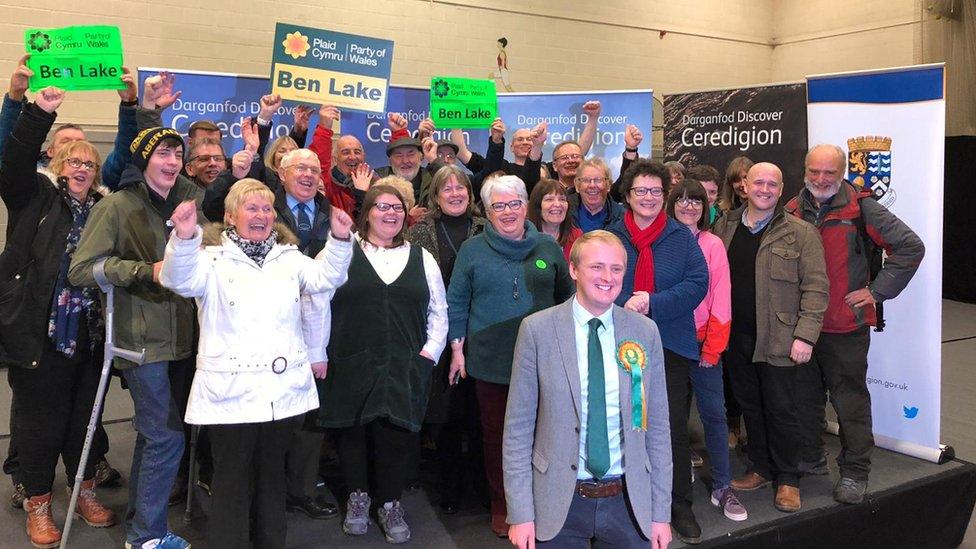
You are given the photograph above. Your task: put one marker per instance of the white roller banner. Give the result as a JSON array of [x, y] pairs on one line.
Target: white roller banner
[[891, 122]]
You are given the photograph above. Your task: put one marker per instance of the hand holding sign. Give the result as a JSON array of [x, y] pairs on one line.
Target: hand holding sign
[[20, 80], [328, 114], [49, 99], [498, 130], [130, 93]]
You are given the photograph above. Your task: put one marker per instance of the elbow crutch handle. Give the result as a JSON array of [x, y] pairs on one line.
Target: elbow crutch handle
[[98, 271]]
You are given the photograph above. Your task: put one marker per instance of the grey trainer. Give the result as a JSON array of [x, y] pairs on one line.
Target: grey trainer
[[850, 491], [392, 521], [357, 514]]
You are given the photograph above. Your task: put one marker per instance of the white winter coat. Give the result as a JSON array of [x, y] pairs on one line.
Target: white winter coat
[[252, 362]]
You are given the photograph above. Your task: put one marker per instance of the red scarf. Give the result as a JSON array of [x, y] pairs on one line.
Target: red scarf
[[642, 239]]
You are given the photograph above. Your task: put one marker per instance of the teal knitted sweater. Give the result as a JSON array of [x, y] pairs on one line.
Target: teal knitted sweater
[[495, 284]]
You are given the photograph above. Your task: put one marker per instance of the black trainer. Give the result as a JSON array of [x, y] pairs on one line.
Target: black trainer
[[685, 526]]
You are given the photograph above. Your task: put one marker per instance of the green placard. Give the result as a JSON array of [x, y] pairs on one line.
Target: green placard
[[462, 102], [75, 58]]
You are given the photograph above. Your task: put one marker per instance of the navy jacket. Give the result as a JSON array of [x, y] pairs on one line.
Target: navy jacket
[[680, 284]]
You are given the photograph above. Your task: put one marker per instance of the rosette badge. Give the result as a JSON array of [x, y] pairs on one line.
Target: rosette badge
[[296, 44]]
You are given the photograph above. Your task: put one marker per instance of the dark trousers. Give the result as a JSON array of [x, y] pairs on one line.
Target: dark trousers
[[492, 399], [733, 414], [676, 377], [246, 455], [302, 458], [463, 421], [839, 366], [767, 396], [52, 405], [599, 522], [378, 447], [181, 374]]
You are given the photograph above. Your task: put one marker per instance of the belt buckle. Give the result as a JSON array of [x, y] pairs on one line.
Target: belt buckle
[[284, 365], [586, 485]]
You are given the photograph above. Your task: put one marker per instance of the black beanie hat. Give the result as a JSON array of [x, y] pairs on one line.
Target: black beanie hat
[[146, 142]]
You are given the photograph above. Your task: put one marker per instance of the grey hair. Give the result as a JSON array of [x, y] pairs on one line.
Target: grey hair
[[841, 155], [503, 184], [298, 155]]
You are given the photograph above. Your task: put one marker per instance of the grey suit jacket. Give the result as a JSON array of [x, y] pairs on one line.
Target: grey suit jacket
[[540, 448]]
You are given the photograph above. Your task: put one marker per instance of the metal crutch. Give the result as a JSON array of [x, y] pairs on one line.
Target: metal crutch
[[191, 476], [111, 351]]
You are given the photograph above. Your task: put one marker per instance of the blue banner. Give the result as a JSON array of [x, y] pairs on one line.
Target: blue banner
[[226, 98]]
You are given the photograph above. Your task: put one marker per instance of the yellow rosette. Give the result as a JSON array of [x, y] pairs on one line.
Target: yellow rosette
[[632, 357]]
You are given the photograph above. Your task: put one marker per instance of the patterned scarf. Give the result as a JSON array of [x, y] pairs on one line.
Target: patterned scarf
[[70, 302], [257, 251]]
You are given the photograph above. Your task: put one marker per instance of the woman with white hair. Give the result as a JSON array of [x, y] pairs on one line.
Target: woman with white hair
[[501, 276], [254, 379]]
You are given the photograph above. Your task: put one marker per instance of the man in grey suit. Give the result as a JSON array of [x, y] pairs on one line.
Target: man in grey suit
[[572, 426]]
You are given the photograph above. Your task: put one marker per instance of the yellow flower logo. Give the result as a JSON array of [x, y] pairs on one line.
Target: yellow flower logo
[[296, 44]]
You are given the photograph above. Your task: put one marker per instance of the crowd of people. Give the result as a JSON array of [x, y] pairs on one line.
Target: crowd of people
[[537, 328]]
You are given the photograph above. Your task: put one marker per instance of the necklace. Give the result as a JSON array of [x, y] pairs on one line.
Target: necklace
[[515, 277]]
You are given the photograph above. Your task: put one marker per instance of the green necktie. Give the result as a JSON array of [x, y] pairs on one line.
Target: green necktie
[[597, 443]]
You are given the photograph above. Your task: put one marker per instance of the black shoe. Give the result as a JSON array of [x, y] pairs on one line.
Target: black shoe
[[313, 508], [818, 468], [414, 485], [685, 526], [106, 476], [449, 507]]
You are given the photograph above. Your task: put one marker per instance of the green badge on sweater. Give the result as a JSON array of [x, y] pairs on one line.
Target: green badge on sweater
[[540, 263]]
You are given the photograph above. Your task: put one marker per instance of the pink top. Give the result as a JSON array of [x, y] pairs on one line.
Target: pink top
[[713, 316]]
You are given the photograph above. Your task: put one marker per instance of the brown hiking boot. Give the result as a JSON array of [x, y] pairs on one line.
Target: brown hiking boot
[[90, 509], [40, 523]]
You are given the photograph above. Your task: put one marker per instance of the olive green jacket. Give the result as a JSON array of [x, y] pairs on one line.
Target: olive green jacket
[[127, 229], [791, 284]]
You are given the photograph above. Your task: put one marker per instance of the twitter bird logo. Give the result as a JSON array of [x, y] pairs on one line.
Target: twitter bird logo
[[910, 413]]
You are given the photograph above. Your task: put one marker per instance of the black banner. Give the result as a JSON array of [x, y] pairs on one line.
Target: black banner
[[765, 123]]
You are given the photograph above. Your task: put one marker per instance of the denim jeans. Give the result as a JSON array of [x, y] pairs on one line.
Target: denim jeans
[[710, 398], [156, 459]]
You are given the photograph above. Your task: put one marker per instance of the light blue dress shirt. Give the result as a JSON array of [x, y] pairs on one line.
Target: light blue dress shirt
[[293, 206], [608, 345]]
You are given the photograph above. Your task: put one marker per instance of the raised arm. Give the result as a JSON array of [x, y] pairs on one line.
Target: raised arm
[[128, 127], [185, 271], [592, 111], [330, 268], [19, 180], [14, 101]]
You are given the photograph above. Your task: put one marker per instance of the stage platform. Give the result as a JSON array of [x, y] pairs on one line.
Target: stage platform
[[911, 503]]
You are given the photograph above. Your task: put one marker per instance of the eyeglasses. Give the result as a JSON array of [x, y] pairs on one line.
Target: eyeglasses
[[499, 207], [77, 163], [571, 157], [693, 203], [208, 158], [385, 207], [656, 192], [449, 156], [591, 180], [302, 168]]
